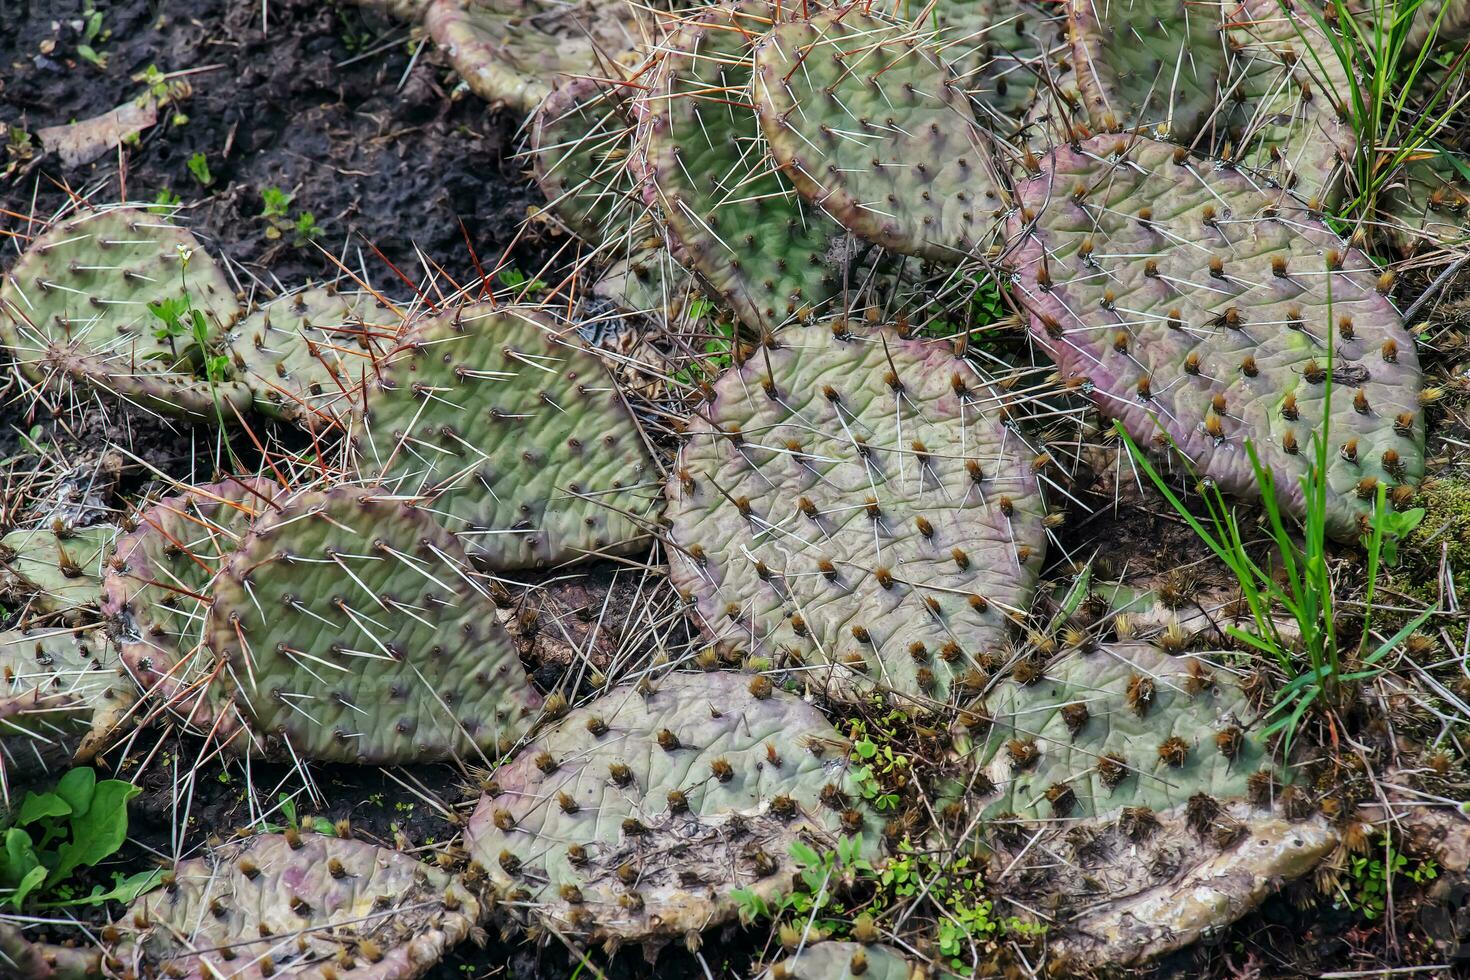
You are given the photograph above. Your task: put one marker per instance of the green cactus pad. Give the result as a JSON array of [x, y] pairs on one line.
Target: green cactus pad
[[54, 573], [304, 355], [516, 432], [844, 961], [297, 905], [580, 137], [156, 587], [870, 126], [851, 506], [74, 308], [1148, 64], [62, 694], [1290, 121], [639, 814], [1004, 74], [750, 237], [508, 51], [352, 633], [1194, 308], [1425, 205]]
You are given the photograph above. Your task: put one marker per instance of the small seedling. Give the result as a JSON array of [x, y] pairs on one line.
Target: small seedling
[[164, 203], [92, 34], [199, 167]]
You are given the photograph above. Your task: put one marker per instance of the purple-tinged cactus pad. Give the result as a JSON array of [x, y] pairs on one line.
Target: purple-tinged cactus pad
[[352, 632], [851, 506], [1195, 308], [638, 815], [296, 905]]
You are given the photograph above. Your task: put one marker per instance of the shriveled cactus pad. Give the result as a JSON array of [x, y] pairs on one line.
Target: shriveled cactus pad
[[155, 591], [62, 693], [640, 813], [917, 177], [297, 905], [52, 570], [353, 634], [1194, 309], [844, 961], [304, 355], [752, 239], [851, 506], [75, 307], [515, 433], [508, 51]]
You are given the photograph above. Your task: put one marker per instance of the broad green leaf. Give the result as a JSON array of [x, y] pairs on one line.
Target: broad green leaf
[[100, 833], [19, 858], [38, 806], [123, 890], [76, 788], [28, 884]]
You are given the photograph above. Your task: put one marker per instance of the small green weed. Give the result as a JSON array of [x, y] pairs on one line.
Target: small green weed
[[199, 167], [1365, 886]]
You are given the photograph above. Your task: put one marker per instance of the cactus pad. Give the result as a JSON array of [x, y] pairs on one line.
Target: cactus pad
[[352, 633], [517, 433], [851, 502], [1193, 308], [579, 142], [298, 905], [155, 589], [54, 571], [1425, 206], [640, 812], [869, 125], [74, 307], [844, 961], [62, 693], [756, 244], [304, 355]]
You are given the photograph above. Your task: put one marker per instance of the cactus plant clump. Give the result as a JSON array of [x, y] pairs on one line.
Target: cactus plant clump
[[1127, 795], [62, 694], [351, 631], [156, 589], [305, 355], [298, 905], [54, 571], [918, 178], [639, 814], [749, 236], [75, 308], [516, 433], [1197, 310], [850, 505], [844, 961]]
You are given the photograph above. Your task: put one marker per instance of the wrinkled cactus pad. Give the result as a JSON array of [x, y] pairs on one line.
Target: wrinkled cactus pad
[[62, 694], [916, 177], [844, 961], [639, 813], [75, 307], [158, 581], [851, 506], [54, 571], [1193, 308], [580, 135], [515, 433], [297, 905], [305, 354], [43, 961], [352, 633], [757, 245]]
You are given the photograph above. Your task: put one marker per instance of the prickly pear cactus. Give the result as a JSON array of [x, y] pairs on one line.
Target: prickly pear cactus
[[918, 179], [158, 580], [1127, 797], [508, 51], [50, 571], [1193, 308], [74, 308], [352, 632], [305, 355], [844, 961], [297, 905], [516, 433], [580, 136], [1002, 67], [851, 506], [756, 244], [1156, 65], [62, 694], [1291, 99], [639, 814], [44, 961], [1424, 207]]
